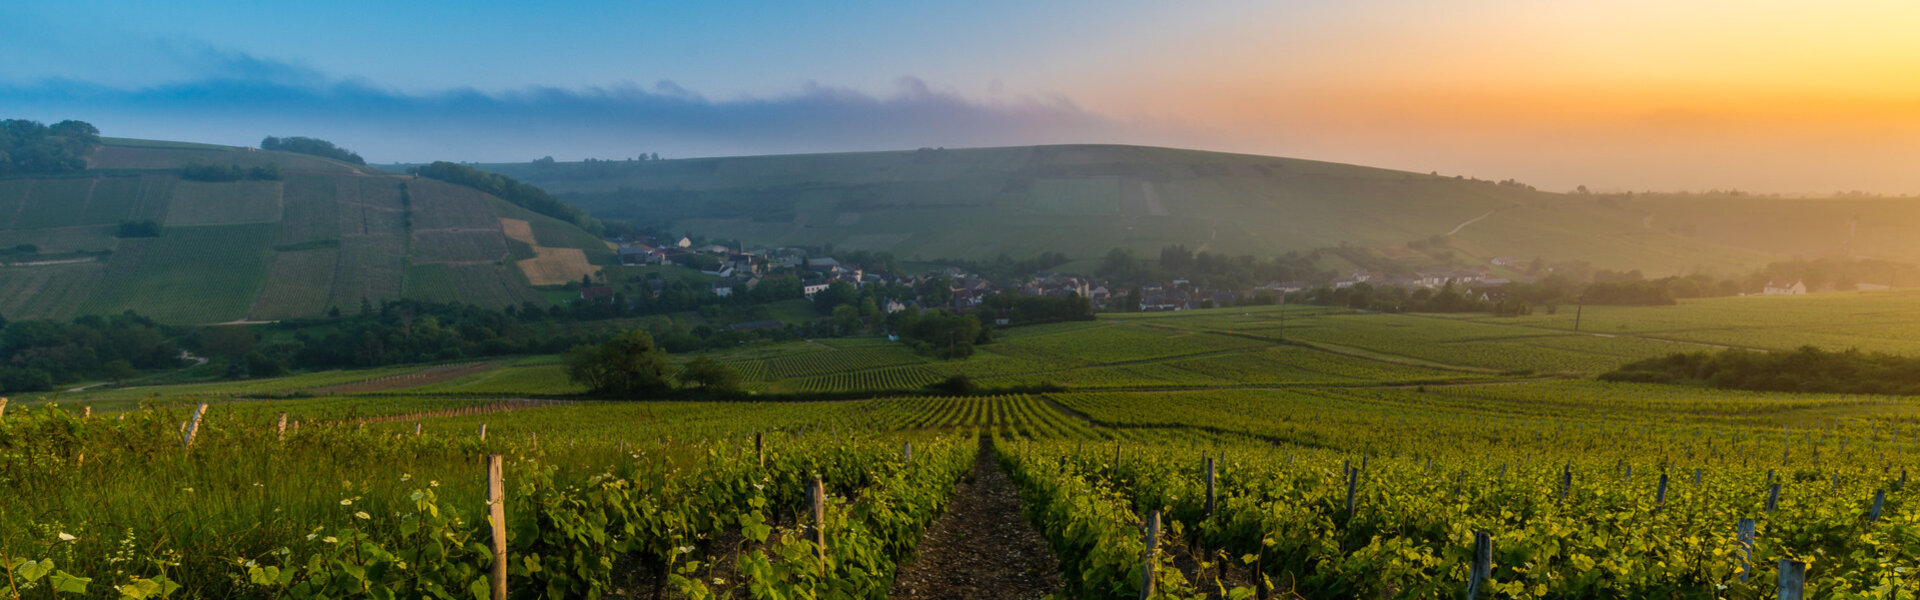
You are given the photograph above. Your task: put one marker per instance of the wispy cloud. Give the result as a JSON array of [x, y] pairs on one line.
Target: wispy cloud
[[240, 98]]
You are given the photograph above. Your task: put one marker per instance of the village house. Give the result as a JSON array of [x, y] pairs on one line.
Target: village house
[[1782, 287]]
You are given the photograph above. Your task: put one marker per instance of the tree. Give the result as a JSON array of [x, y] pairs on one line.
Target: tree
[[119, 370], [627, 364], [706, 373], [846, 319]]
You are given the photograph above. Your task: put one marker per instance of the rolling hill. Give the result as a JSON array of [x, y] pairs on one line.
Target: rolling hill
[[1085, 200], [326, 234]]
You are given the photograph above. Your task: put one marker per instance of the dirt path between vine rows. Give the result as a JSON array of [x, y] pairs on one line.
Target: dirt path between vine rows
[[982, 548]]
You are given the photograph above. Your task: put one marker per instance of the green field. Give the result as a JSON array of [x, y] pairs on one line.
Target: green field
[[200, 203], [189, 275], [1429, 423]]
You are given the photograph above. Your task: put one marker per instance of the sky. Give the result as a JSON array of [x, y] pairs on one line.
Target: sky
[[1756, 95]]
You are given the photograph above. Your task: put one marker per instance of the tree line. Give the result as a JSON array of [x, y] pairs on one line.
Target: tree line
[[1807, 369], [312, 147], [29, 147]]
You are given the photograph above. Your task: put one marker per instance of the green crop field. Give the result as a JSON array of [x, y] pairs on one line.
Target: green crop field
[[340, 234], [296, 285], [1394, 437], [189, 275], [230, 203]]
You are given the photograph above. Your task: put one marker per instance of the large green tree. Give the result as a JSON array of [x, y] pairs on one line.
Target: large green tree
[[625, 365]]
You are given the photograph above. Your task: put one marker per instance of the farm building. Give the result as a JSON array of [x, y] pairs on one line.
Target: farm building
[[1784, 288]]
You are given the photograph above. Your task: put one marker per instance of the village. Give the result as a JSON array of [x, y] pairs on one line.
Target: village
[[736, 271]]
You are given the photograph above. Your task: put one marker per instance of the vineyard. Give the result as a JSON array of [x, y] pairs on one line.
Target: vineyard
[[1340, 466]]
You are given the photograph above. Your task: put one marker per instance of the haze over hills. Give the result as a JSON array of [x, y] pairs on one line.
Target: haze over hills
[[325, 234], [1084, 200]]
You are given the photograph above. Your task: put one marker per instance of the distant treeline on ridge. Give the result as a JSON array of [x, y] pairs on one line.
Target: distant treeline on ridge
[[311, 146], [30, 147]]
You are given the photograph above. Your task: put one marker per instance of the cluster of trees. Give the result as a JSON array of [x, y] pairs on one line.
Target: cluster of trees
[[36, 355], [1207, 269], [217, 173], [311, 146], [31, 147], [507, 188], [1807, 369], [142, 228], [939, 332], [1031, 310], [630, 364], [1004, 267]]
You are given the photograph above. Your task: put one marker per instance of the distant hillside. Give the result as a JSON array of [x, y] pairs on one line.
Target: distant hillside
[[326, 234], [1085, 200]]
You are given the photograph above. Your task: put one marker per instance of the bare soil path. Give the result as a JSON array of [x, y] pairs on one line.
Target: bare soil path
[[982, 548]]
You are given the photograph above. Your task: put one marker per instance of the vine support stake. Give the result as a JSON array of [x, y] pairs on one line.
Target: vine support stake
[[497, 518], [1482, 563], [1793, 579], [280, 428], [1153, 544], [483, 432], [760, 449], [1773, 497], [3, 409], [1660, 498], [906, 453], [817, 496], [416, 429], [1745, 537], [1210, 494], [1879, 501], [193, 426]]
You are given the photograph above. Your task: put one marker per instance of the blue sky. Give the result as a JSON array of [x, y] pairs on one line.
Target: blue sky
[[1767, 95]]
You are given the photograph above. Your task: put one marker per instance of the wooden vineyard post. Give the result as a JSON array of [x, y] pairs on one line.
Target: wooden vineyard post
[[416, 429], [3, 409], [760, 449], [1773, 497], [1793, 579], [1566, 481], [1353, 485], [1744, 535], [193, 426], [497, 517], [483, 432], [1696, 476], [1153, 544], [1210, 496], [1879, 501], [817, 496], [1660, 498], [1482, 563], [86, 412], [280, 429], [906, 453]]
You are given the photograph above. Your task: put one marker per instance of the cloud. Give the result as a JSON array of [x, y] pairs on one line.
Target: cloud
[[248, 97]]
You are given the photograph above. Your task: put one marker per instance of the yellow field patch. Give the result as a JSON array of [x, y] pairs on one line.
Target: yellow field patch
[[549, 266], [519, 229]]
